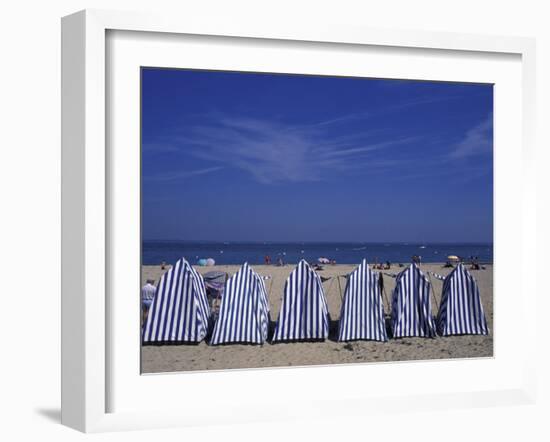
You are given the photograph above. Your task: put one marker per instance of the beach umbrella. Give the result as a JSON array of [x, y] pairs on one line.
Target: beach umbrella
[[453, 258], [210, 262], [201, 262]]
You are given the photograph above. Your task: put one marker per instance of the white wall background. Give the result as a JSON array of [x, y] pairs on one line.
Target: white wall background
[[30, 212]]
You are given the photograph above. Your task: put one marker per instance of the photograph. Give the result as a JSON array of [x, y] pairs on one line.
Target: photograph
[[292, 220]]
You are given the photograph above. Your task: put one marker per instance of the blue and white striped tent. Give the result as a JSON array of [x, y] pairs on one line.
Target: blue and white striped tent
[[244, 311], [460, 310], [411, 306], [180, 310], [362, 312], [304, 311]]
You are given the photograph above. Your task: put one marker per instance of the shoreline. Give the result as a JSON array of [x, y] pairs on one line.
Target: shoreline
[[154, 253], [394, 266]]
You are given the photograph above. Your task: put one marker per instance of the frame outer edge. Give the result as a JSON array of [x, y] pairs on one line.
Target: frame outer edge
[[73, 362], [529, 205], [95, 223], [83, 374], [337, 33], [83, 186]]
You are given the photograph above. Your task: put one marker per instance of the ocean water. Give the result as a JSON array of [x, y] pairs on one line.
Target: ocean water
[[155, 252]]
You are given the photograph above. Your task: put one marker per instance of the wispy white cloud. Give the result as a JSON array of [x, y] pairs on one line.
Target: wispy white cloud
[[385, 110], [354, 151], [169, 176], [345, 118], [274, 152], [477, 141]]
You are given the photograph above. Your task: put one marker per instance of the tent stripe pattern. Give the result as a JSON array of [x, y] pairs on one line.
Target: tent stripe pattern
[[411, 306], [362, 312], [461, 311], [304, 311], [180, 310], [244, 311]]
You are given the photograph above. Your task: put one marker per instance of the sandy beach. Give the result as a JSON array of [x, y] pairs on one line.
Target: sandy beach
[[169, 358]]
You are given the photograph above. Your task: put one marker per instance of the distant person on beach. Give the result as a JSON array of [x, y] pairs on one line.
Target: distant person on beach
[[387, 266], [163, 265], [267, 259], [280, 262], [147, 295]]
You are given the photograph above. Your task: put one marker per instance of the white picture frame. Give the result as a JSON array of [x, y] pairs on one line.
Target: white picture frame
[[86, 206]]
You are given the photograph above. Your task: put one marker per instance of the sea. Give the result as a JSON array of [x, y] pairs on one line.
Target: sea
[[155, 252]]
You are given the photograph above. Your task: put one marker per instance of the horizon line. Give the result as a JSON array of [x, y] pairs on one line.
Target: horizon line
[[405, 242]]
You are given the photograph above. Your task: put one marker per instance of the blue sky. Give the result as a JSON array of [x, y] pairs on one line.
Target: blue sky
[[264, 157]]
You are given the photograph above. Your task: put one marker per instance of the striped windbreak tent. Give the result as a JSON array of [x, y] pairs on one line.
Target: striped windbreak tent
[[411, 306], [180, 310], [460, 310], [304, 311], [362, 312], [244, 311]]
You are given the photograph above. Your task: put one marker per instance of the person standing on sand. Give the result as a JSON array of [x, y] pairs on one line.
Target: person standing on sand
[[267, 259], [147, 295]]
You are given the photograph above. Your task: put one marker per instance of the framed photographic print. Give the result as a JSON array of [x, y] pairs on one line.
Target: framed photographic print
[[250, 209], [336, 213]]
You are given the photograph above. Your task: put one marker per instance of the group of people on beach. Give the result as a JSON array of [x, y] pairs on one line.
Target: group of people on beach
[[267, 261], [474, 263], [382, 266], [280, 262]]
